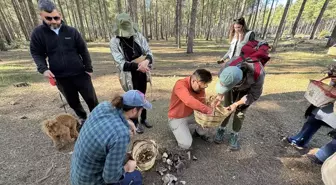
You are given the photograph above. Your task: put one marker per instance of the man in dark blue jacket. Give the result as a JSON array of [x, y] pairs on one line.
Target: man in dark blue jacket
[[69, 61]]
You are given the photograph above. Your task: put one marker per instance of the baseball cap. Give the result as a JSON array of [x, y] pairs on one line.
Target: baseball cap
[[228, 78], [135, 98]]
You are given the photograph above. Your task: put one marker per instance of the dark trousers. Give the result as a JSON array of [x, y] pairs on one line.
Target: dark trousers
[[71, 86], [139, 81], [310, 127], [231, 97]]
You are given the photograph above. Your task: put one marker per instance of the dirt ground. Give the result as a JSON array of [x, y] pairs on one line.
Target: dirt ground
[[28, 157]]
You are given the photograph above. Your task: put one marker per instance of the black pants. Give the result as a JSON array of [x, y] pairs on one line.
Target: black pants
[[71, 86], [139, 81]]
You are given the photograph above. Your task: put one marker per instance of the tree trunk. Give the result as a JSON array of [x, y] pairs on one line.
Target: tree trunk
[[5, 32], [220, 21], [107, 20], [145, 20], [8, 26], [278, 34], [161, 24], [297, 20], [332, 39], [69, 14], [33, 13], [156, 21], [150, 20], [268, 19], [243, 9], [86, 21], [74, 15], [318, 20], [256, 15], [119, 8], [21, 22], [80, 18], [263, 19], [192, 27], [176, 20], [103, 21], [135, 11], [202, 15], [179, 21], [25, 16], [91, 20], [210, 21]]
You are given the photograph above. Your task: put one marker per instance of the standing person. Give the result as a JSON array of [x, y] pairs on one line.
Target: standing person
[[188, 95], [238, 87], [133, 58], [69, 61], [100, 151], [239, 35]]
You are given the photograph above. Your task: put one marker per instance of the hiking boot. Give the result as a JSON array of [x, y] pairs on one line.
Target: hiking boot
[[219, 138], [146, 124], [234, 144], [139, 129]]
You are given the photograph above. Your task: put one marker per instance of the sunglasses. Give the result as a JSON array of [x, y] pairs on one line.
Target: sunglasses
[[56, 18]]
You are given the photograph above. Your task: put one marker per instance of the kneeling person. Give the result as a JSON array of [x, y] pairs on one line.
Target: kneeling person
[[188, 95], [101, 147]]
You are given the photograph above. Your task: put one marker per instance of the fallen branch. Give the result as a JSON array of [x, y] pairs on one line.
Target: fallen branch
[[47, 174]]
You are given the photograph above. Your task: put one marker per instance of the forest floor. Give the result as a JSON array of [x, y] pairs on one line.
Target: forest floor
[[28, 157]]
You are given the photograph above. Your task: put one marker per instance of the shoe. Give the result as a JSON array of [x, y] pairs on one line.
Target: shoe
[[313, 159], [139, 129], [234, 144], [146, 124], [219, 138], [80, 124], [288, 141]]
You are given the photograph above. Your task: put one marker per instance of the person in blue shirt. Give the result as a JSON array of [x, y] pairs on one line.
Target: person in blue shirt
[[101, 148]]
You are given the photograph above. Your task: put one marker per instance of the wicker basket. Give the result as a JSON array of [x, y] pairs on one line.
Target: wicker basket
[[141, 146], [319, 93], [212, 120], [332, 50]]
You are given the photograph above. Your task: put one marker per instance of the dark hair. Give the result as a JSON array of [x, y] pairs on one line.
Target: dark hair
[[46, 5], [117, 102], [240, 21], [203, 75], [331, 70]]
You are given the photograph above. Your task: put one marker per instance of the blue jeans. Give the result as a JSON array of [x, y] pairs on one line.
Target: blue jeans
[[326, 151], [133, 178], [310, 127]]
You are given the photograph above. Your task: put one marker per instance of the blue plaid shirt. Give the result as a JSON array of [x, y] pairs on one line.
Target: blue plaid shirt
[[101, 147]]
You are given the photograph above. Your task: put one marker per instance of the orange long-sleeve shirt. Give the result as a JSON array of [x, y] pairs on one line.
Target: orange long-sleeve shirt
[[184, 100]]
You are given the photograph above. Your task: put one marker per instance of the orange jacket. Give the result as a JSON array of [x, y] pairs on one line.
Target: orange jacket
[[184, 100]]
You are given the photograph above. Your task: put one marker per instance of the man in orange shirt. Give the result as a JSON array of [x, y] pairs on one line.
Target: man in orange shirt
[[188, 95]]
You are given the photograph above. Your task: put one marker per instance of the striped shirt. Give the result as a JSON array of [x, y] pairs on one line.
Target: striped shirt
[[101, 147]]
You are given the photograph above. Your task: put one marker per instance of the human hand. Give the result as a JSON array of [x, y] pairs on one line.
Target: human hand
[[143, 68], [219, 98], [90, 74], [130, 166], [132, 128], [48, 74], [232, 107]]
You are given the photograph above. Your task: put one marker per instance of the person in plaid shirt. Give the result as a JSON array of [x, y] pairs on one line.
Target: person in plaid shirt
[[101, 147]]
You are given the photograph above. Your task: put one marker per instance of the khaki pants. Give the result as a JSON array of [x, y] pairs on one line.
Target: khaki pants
[[328, 170], [183, 128]]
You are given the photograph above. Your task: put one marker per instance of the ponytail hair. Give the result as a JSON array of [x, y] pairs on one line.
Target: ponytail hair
[[117, 102]]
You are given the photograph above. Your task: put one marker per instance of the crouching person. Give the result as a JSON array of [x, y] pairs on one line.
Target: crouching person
[[188, 95], [238, 87], [101, 147]]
